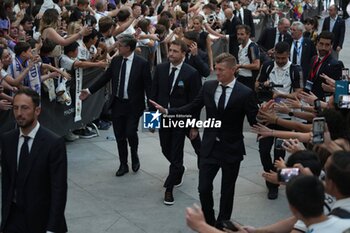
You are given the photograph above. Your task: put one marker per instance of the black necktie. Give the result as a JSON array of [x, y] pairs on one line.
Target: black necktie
[[280, 37], [22, 167], [295, 52], [122, 79], [221, 103], [239, 16], [171, 79]]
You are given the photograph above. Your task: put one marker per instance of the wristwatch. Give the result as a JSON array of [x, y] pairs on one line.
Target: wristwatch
[[291, 114]]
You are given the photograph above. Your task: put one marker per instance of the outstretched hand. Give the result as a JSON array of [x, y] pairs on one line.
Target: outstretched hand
[[84, 94], [158, 106]]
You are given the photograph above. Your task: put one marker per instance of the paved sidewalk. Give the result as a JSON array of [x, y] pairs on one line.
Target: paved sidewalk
[[98, 201]]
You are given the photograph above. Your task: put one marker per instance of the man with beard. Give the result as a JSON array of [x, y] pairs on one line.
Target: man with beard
[[175, 84], [324, 63], [34, 172], [248, 57]]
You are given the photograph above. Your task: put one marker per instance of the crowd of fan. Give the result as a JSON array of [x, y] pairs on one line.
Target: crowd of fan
[[291, 67]]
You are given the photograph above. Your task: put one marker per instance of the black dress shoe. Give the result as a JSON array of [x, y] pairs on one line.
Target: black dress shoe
[[272, 194], [135, 166], [122, 170]]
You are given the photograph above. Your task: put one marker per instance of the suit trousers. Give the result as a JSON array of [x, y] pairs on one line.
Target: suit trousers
[[16, 222], [207, 172], [172, 143], [265, 145], [125, 130], [196, 144]]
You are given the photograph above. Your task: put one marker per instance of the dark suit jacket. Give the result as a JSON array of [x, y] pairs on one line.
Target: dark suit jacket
[[241, 103], [268, 37], [45, 187], [200, 63], [186, 86], [248, 20], [308, 52], [338, 31], [140, 82], [330, 67], [229, 27]]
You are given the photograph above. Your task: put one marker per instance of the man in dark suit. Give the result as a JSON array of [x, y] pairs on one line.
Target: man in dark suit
[[229, 101], [229, 27], [34, 172], [131, 79], [324, 63], [302, 49], [244, 16], [333, 23], [271, 36], [175, 84]]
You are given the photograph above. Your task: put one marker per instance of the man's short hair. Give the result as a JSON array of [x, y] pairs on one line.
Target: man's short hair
[[82, 2], [245, 27], [91, 36], [299, 25], [339, 171], [31, 93], [123, 15], [326, 35], [21, 47], [180, 43], [281, 21], [127, 40], [71, 47], [306, 194], [105, 23], [227, 58], [26, 18], [135, 5], [308, 159], [192, 35], [282, 47]]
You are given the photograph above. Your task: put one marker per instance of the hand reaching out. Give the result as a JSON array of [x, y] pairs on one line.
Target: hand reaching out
[[279, 163]]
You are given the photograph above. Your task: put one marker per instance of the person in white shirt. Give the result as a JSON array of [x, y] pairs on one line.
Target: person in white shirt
[[305, 196]]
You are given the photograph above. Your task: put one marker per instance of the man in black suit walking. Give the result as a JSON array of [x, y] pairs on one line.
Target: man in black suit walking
[[175, 84], [333, 23], [302, 49], [131, 80], [229, 101], [271, 36], [244, 16], [34, 172], [229, 27]]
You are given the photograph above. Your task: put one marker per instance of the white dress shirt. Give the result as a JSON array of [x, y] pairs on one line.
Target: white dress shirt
[[32, 135], [178, 68], [299, 50], [218, 92], [127, 74]]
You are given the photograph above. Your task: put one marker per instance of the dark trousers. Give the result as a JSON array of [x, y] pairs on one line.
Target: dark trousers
[[16, 221], [172, 144], [196, 144], [265, 145], [125, 131], [247, 81], [207, 172]]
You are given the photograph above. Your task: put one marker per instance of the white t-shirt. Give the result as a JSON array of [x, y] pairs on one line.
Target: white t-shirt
[[244, 59], [3, 73], [83, 52], [66, 62], [332, 225]]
